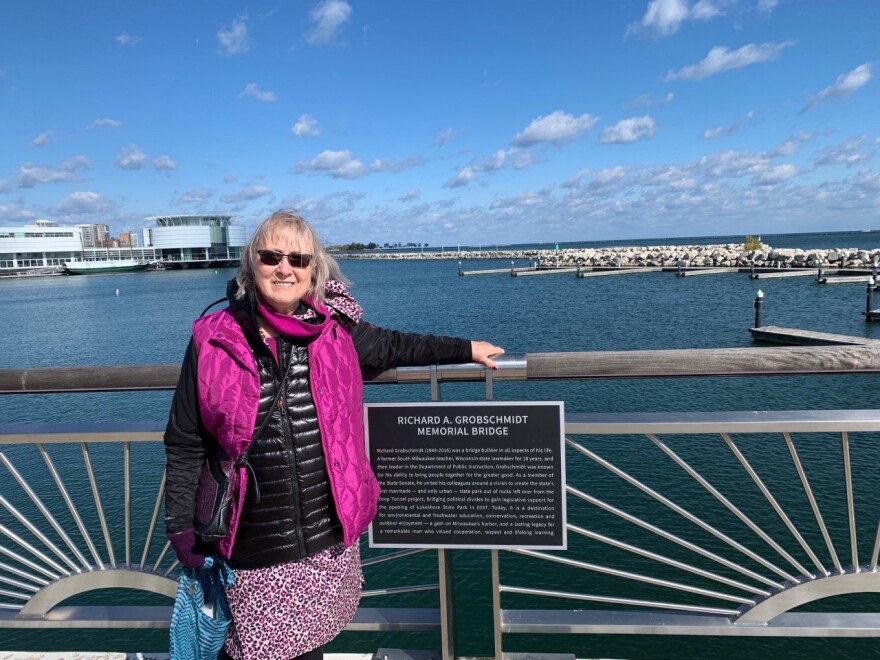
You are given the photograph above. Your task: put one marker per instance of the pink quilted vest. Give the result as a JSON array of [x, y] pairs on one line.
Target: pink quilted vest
[[229, 392]]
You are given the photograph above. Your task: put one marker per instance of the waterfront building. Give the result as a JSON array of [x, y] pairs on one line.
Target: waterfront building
[[195, 241], [179, 241]]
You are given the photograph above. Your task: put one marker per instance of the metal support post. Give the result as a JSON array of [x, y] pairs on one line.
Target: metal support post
[[496, 604], [447, 603], [759, 309], [869, 302]]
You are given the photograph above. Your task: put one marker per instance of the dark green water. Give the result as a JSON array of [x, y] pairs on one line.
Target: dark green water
[[81, 321]]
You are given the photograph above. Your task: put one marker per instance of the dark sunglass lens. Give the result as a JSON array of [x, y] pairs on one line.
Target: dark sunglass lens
[[299, 260], [270, 257]]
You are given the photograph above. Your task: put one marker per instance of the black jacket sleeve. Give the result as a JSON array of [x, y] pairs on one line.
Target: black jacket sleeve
[[185, 443], [378, 348]]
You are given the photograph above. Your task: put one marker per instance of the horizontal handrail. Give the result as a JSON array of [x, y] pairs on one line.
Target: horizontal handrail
[[751, 421], [676, 363]]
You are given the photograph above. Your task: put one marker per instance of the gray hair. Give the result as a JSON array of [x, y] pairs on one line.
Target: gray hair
[[287, 223]]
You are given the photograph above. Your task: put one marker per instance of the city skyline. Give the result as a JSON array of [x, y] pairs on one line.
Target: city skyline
[[445, 123]]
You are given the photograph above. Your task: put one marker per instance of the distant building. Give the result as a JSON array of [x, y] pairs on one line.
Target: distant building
[[177, 241], [189, 241], [128, 239], [95, 236]]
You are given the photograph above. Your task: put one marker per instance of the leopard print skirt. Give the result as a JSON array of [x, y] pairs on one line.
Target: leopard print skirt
[[286, 610]]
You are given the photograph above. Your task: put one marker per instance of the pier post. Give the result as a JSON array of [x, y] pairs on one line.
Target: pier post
[[459, 268], [819, 275], [751, 268], [511, 268], [874, 270], [678, 268], [869, 302], [759, 309]]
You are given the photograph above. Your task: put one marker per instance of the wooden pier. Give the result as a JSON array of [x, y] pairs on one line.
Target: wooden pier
[[496, 271], [798, 337]]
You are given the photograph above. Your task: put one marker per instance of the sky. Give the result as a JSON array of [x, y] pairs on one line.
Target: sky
[[454, 122]]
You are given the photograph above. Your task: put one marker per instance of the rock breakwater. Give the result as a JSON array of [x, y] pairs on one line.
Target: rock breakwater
[[724, 255]]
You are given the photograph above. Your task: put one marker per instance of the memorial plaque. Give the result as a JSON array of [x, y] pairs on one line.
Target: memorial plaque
[[468, 475]]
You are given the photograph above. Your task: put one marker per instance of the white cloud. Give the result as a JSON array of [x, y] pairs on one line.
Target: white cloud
[[109, 123], [131, 158], [494, 162], [336, 164], [328, 16], [792, 144], [845, 85], [556, 128], [444, 137], [305, 126], [629, 130], [195, 196], [462, 179], [84, 203], [230, 178], [30, 174], [720, 59], [648, 101], [410, 195], [767, 6], [164, 163], [395, 166], [76, 163], [847, 153], [126, 39], [42, 139], [775, 175], [522, 159], [14, 214], [247, 194], [723, 131], [251, 89], [664, 17], [234, 40]]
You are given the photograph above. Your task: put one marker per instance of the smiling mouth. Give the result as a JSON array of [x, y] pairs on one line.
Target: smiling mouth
[[284, 284]]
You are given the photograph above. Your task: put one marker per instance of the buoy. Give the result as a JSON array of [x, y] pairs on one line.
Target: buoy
[[117, 292]]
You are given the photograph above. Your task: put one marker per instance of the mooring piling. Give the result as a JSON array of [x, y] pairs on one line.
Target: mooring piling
[[759, 309]]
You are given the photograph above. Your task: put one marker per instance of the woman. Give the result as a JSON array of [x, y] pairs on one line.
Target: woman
[[283, 361]]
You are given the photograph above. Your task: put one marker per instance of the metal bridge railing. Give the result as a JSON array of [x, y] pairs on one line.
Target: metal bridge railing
[[682, 523], [741, 519]]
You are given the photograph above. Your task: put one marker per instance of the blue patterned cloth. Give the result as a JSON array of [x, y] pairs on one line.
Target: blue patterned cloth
[[201, 614]]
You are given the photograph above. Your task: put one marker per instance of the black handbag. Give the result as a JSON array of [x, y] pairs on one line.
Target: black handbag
[[214, 497], [214, 489]]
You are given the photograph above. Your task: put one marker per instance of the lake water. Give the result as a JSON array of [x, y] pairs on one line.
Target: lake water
[[82, 321]]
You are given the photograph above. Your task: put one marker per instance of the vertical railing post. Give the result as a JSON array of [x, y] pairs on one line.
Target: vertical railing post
[[445, 570], [869, 302], [496, 604]]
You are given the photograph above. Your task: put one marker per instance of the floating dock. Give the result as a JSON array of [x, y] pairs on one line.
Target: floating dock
[[548, 271], [621, 271], [496, 271], [797, 337], [845, 279], [707, 271], [809, 272]]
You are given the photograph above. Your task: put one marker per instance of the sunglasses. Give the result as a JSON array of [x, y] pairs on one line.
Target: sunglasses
[[295, 259]]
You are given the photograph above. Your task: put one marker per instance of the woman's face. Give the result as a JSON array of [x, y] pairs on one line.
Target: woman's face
[[282, 286]]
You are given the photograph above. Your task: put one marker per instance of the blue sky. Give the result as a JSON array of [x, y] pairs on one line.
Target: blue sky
[[476, 121]]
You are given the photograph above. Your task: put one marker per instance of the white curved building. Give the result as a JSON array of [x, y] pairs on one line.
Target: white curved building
[[193, 241]]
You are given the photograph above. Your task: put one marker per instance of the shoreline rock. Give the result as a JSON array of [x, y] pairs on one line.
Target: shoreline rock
[[724, 255]]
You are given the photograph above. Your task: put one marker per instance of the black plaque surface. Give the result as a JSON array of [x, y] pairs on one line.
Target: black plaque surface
[[468, 475]]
